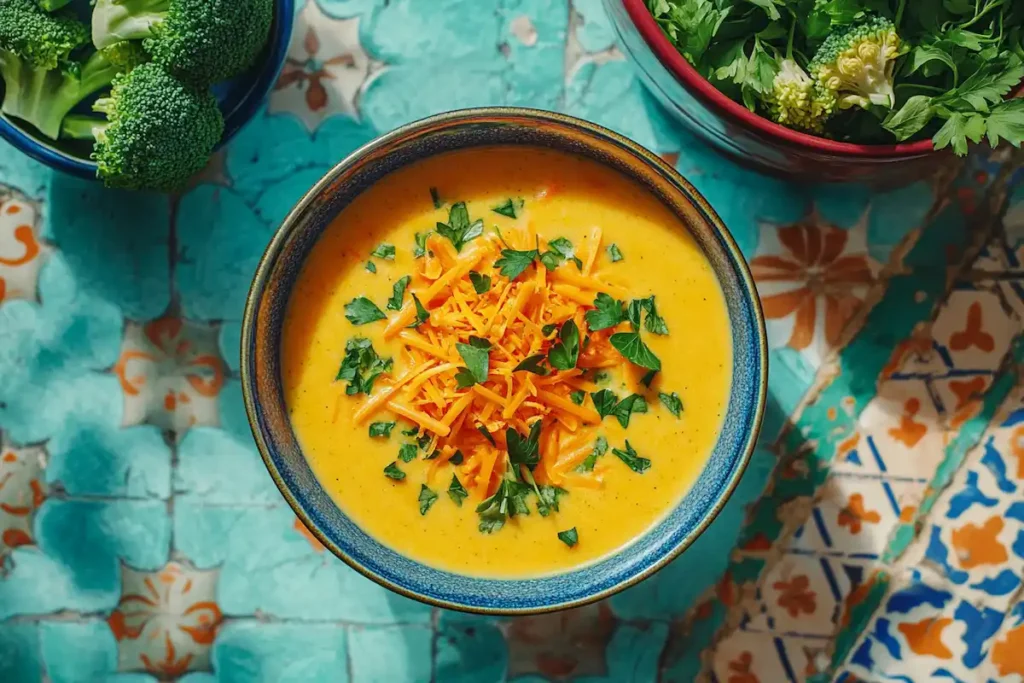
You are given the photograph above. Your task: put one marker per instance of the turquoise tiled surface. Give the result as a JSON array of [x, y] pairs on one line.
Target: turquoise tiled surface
[[141, 538]]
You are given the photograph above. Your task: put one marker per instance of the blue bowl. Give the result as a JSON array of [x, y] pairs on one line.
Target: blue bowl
[[261, 364], [239, 99]]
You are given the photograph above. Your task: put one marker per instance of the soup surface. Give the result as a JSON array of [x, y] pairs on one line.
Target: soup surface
[[517, 380]]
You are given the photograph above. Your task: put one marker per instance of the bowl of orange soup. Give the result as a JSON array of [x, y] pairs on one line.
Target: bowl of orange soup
[[504, 361]]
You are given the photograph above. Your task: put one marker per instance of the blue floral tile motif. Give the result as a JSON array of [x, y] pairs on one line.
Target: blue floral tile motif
[[254, 652], [20, 658]]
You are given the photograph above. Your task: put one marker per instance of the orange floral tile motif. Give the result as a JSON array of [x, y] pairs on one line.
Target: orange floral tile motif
[[976, 545], [22, 491], [854, 515], [925, 637], [21, 251], [972, 335], [909, 431], [740, 671], [561, 645], [796, 596], [1008, 652], [166, 620], [812, 278], [171, 374]]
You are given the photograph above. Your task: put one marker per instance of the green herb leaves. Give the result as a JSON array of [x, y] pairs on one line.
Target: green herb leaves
[[569, 537], [534, 364], [524, 450], [422, 314], [560, 250], [564, 353], [476, 355], [632, 460], [381, 429], [481, 283], [635, 350], [408, 452], [361, 311], [653, 322], [547, 499], [427, 498], [361, 366], [458, 229], [600, 448], [511, 208], [607, 403], [384, 251], [672, 402], [435, 197], [457, 492], [508, 500], [398, 293], [512, 263], [392, 472], [421, 244], [614, 254], [371, 267], [608, 313]]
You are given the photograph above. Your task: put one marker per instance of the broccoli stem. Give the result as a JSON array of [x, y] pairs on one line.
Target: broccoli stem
[[78, 127], [44, 97], [117, 20]]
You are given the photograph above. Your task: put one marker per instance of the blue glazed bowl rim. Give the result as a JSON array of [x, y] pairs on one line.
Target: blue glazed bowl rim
[[302, 502], [265, 75]]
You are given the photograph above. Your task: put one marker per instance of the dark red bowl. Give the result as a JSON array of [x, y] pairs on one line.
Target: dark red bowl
[[744, 136]]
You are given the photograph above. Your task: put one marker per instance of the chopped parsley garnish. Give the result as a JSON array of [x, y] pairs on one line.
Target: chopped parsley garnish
[[361, 366], [633, 313], [424, 441], [672, 402], [481, 283], [408, 452], [569, 537], [476, 355], [648, 378], [510, 208], [547, 499], [435, 197], [564, 354], [601, 377], [457, 492], [548, 329], [608, 313], [384, 251], [508, 500], [524, 450], [607, 403], [632, 460], [487, 434], [600, 448], [392, 472], [578, 397], [653, 322], [412, 431], [427, 498], [613, 253], [421, 244], [371, 267], [635, 350], [422, 314], [381, 429], [398, 293], [457, 458], [512, 263], [560, 249], [361, 311], [533, 364], [458, 229]]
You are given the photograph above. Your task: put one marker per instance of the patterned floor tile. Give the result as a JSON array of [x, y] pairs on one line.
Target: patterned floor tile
[[384, 654], [22, 251], [257, 652]]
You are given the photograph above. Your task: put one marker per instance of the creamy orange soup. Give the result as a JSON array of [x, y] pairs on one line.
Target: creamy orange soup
[[531, 290]]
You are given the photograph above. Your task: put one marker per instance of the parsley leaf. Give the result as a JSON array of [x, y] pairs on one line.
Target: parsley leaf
[[422, 314], [560, 249], [533, 364], [608, 313], [508, 500], [653, 322], [604, 402], [427, 498], [392, 472], [457, 492], [613, 253], [384, 251], [481, 283], [512, 263], [398, 293], [361, 310], [648, 378], [635, 350], [564, 354], [510, 207], [407, 452], [600, 448], [569, 537], [421, 244], [476, 355], [524, 450], [632, 460], [435, 197], [634, 311], [411, 431], [457, 458], [634, 403], [578, 397], [672, 402], [458, 229], [361, 366], [548, 329], [550, 260], [547, 499], [371, 267], [378, 429]]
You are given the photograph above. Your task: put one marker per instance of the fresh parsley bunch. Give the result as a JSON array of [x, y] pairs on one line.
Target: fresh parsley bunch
[[863, 71]]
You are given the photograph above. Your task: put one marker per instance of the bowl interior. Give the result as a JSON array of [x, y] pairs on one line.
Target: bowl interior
[[280, 267], [239, 99]]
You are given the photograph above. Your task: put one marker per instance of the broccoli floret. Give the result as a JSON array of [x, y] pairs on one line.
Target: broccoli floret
[[42, 84], [158, 131], [52, 5], [199, 41], [856, 63], [796, 101]]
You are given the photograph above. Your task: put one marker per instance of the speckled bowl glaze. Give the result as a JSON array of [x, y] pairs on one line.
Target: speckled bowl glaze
[[239, 100], [268, 417], [747, 138]]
